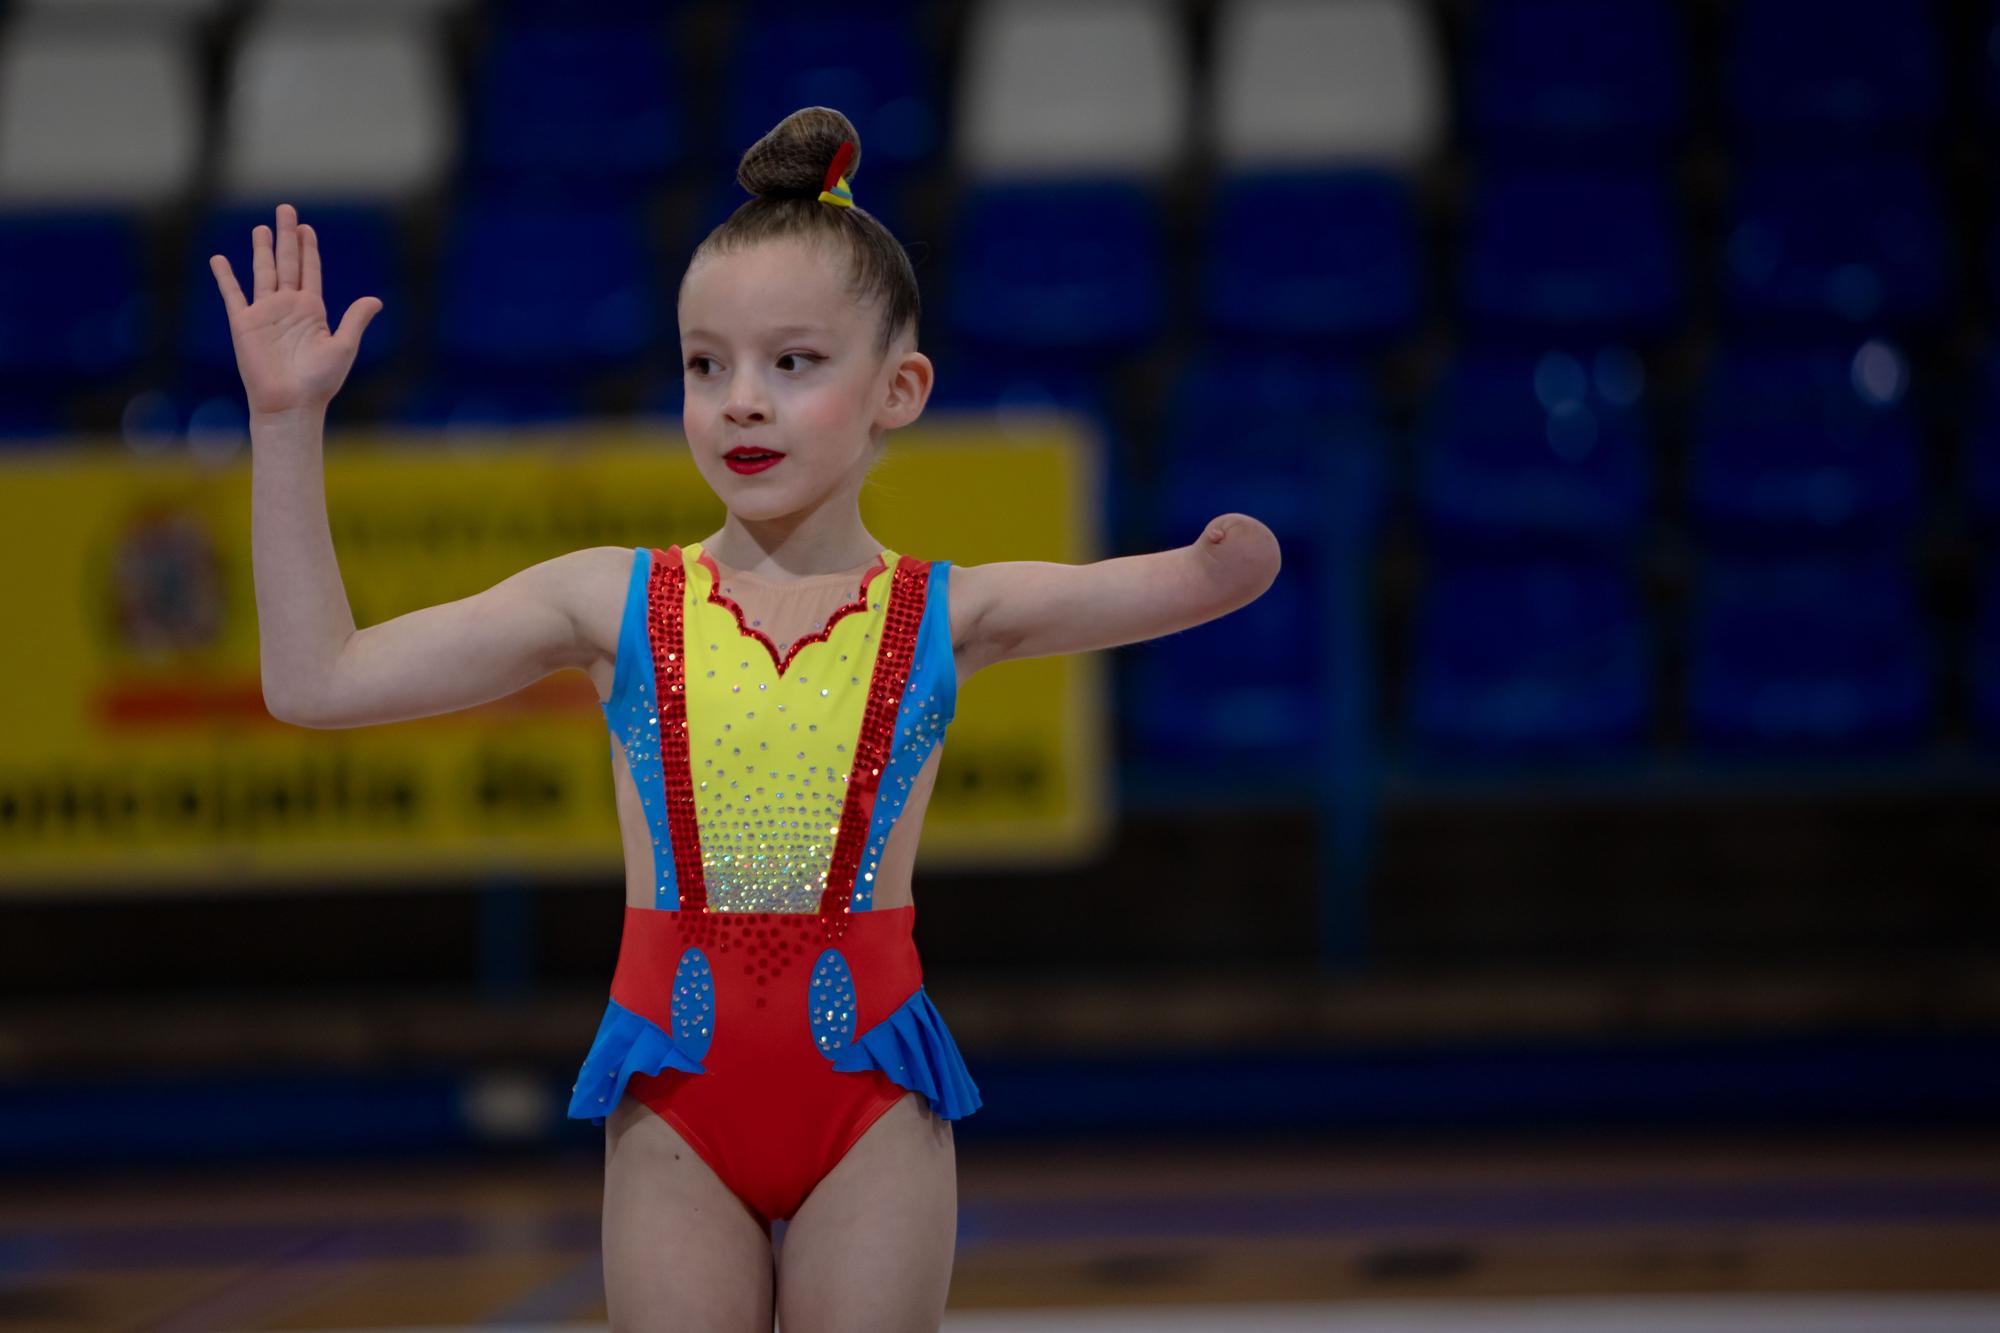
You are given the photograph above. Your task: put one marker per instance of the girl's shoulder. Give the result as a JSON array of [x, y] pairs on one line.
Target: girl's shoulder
[[594, 584]]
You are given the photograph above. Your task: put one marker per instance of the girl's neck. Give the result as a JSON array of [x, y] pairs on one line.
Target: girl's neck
[[777, 556]]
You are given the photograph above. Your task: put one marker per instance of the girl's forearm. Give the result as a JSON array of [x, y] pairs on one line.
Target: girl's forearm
[[303, 617]]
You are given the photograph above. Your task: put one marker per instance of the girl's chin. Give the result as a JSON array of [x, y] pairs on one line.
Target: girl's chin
[[748, 503]]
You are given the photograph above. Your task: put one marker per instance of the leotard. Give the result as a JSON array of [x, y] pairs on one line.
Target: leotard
[[763, 1006]]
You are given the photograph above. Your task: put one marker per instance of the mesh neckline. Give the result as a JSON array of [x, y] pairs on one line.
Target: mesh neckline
[[729, 572]]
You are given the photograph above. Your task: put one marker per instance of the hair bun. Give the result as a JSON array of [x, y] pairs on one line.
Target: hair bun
[[792, 159]]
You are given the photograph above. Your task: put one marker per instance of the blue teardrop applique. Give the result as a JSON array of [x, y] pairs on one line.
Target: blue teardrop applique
[[694, 1003], [831, 1001]]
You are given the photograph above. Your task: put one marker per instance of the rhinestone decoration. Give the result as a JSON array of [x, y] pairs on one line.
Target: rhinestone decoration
[[831, 1001], [669, 671], [780, 867], [770, 800], [761, 945], [694, 1003], [922, 722], [909, 588], [918, 738]]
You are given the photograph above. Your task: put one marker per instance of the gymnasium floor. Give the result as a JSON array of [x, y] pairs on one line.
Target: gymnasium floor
[[1619, 1237]]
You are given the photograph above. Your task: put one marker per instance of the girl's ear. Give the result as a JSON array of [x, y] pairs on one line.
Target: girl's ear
[[909, 390]]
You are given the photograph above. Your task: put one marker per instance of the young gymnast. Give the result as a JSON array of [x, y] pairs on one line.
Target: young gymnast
[[777, 694]]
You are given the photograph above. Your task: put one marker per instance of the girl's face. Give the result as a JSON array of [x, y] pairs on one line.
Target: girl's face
[[777, 354]]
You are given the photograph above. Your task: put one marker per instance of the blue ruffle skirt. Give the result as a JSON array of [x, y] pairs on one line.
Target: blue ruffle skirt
[[912, 1047]]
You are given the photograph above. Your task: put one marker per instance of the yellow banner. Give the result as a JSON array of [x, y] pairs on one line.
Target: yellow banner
[[137, 753]]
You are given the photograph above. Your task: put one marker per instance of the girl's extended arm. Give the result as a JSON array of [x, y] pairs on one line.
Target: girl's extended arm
[[318, 670], [1036, 608]]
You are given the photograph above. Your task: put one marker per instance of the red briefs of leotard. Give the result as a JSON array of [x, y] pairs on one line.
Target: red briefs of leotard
[[771, 1116]]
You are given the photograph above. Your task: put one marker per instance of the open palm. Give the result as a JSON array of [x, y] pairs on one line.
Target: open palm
[[288, 357]]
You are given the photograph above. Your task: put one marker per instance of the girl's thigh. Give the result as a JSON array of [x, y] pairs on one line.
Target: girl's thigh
[[871, 1247], [680, 1251]]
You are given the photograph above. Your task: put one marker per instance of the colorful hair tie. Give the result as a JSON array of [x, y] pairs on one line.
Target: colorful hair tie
[[835, 189]]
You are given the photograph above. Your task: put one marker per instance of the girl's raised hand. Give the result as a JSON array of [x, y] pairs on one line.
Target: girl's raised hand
[[287, 356]]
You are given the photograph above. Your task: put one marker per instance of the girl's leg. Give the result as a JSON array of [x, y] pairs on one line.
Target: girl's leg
[[680, 1251], [870, 1249]]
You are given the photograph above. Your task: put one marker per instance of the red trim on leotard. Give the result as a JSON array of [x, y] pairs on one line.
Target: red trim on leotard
[[664, 593], [908, 588]]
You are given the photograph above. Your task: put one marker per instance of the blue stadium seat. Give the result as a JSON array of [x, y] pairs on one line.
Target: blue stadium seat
[[1245, 687], [1267, 407], [1862, 241], [1528, 449], [78, 303], [513, 11], [978, 383], [1530, 658], [1060, 265], [1218, 386], [1551, 74], [1986, 654], [870, 64], [547, 288], [577, 98], [1584, 250], [1806, 445], [359, 256], [1266, 421], [1795, 654], [1313, 255], [1827, 73], [1331, 498], [1252, 685]]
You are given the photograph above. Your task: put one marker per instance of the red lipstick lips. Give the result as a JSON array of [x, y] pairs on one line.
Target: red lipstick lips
[[745, 459]]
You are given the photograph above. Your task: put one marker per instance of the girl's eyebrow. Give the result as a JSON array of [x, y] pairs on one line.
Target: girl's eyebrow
[[782, 331]]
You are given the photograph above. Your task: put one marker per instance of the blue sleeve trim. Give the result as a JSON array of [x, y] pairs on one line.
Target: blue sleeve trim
[[633, 642], [632, 703], [938, 633]]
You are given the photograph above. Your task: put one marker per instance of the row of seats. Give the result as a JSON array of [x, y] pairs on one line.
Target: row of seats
[[1802, 628], [322, 103], [1788, 447], [1816, 443], [1537, 658], [1825, 76], [356, 99], [1321, 249], [1072, 266]]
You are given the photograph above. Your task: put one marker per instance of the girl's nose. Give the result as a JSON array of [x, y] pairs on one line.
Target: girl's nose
[[744, 410]]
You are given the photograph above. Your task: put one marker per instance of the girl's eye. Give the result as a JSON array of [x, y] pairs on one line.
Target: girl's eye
[[798, 356], [695, 363]]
